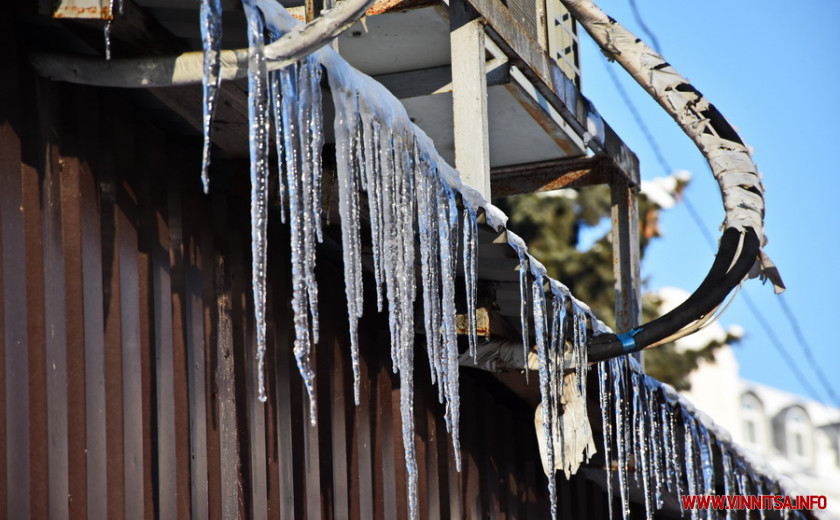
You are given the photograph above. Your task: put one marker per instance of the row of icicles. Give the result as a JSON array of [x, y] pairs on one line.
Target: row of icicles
[[411, 192]]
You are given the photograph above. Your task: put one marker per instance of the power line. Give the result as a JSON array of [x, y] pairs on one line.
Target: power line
[[695, 216], [778, 344], [806, 347], [653, 41]]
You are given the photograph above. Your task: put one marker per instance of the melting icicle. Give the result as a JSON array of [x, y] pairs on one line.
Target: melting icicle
[[448, 226], [656, 441], [258, 139], [694, 484], [300, 305], [308, 77], [276, 98], [641, 427], [429, 269], [106, 34], [540, 327], [726, 462], [348, 204], [211, 42], [617, 373], [470, 228], [517, 244], [707, 465], [603, 388]]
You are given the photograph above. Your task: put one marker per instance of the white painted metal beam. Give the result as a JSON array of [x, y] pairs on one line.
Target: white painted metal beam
[[469, 96]]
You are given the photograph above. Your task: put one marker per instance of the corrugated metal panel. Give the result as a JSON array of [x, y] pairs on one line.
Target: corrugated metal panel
[[127, 339]]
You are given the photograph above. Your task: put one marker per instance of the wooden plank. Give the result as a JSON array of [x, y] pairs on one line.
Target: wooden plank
[[273, 491], [362, 483], [229, 448], [279, 303], [112, 219], [421, 432], [156, 315], [490, 454], [134, 334], [242, 344], [14, 402], [169, 193], [469, 96], [255, 409], [55, 319], [87, 119], [232, 505], [74, 304], [196, 369], [211, 312], [471, 489], [340, 397], [311, 452]]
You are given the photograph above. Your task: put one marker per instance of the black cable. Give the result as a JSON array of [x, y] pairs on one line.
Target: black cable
[[719, 282]]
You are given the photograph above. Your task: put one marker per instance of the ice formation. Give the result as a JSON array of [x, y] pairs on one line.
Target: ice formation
[[411, 192]]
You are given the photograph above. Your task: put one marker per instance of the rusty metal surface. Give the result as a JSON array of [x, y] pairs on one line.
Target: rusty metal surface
[[83, 9], [550, 175]]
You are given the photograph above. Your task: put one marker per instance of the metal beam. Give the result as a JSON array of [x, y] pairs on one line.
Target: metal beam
[[552, 83], [438, 80], [469, 96], [626, 254], [550, 175]]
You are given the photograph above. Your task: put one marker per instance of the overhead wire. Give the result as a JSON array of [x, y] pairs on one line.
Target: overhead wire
[[695, 216]]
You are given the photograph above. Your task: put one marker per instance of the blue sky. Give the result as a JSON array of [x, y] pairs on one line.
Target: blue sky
[[772, 69]]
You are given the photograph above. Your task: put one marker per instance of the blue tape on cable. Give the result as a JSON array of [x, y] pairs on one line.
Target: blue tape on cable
[[626, 339]]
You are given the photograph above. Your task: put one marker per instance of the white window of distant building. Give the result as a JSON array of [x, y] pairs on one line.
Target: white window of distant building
[[752, 414], [798, 435]]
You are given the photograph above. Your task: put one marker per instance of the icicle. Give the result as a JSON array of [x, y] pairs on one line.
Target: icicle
[[211, 42], [641, 428], [448, 227], [429, 268], [617, 373], [348, 203], [470, 227], [310, 155], [540, 326], [275, 95], [694, 484], [556, 357], [316, 142], [726, 462], [706, 463], [606, 423], [371, 174], [107, 35], [675, 461], [579, 347], [656, 441], [519, 246], [257, 123]]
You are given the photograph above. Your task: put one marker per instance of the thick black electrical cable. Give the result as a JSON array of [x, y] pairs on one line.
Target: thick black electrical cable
[[718, 283]]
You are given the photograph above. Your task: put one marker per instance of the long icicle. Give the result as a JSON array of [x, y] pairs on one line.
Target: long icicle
[[211, 42], [258, 138]]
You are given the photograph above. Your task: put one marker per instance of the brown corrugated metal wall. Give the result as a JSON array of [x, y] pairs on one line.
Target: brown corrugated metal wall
[[126, 349]]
